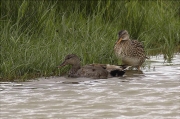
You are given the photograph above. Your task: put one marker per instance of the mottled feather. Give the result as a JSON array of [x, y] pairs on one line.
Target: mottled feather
[[131, 52]]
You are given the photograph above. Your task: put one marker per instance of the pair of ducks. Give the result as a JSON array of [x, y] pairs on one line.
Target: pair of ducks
[[131, 52]]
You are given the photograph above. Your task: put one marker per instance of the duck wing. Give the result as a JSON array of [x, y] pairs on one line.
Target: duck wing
[[93, 71], [138, 48], [113, 70]]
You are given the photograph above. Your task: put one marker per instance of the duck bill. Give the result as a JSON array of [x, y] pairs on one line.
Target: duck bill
[[62, 64], [120, 39]]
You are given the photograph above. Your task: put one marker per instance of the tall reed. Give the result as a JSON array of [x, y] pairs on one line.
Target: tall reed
[[36, 35]]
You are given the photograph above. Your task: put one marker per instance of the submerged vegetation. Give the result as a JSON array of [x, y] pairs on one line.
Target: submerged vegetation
[[36, 35]]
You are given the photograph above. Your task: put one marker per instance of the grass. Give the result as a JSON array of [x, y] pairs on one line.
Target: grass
[[37, 35]]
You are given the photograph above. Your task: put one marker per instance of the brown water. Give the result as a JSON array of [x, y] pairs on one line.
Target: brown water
[[151, 94]]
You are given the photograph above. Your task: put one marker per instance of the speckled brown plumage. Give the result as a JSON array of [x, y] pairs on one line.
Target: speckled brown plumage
[[131, 52]]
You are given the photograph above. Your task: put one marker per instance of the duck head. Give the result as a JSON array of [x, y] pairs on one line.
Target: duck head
[[123, 35], [70, 59]]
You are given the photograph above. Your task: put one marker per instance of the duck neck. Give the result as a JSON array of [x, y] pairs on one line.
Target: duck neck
[[74, 69]]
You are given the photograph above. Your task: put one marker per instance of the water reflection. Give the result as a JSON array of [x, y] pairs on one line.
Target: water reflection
[[70, 82], [152, 93]]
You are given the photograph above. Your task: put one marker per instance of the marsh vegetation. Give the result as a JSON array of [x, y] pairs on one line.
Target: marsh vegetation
[[36, 35]]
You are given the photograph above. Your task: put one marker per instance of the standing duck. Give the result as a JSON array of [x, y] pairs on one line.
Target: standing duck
[[95, 71], [131, 52]]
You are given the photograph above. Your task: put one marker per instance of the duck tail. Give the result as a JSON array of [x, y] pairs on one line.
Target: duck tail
[[117, 73], [124, 67]]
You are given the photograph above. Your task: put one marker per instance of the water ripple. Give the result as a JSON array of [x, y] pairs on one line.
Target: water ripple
[[153, 93]]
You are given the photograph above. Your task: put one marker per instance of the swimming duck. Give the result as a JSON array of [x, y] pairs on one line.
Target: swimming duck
[[95, 71], [131, 52]]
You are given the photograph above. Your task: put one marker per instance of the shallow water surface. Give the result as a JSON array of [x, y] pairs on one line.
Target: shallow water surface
[[153, 93]]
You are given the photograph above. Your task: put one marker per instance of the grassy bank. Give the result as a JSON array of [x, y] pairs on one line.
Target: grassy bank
[[36, 35]]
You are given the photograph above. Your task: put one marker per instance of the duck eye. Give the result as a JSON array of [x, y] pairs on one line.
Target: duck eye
[[68, 57]]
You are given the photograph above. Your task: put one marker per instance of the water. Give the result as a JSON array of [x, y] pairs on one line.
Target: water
[[153, 93]]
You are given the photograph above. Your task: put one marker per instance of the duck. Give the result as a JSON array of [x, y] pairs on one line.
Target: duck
[[131, 52], [95, 71]]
